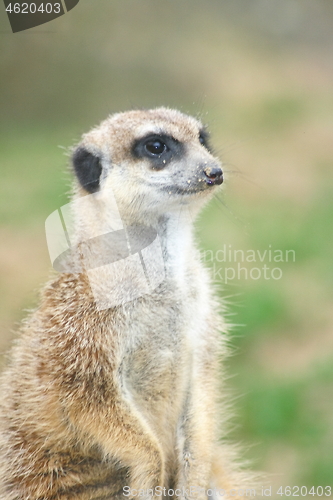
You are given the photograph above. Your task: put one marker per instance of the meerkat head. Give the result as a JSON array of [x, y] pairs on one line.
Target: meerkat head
[[153, 161]]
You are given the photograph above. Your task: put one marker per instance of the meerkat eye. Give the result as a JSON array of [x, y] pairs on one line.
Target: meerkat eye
[[160, 149], [203, 138], [155, 147]]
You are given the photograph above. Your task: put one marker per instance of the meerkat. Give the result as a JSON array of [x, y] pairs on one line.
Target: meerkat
[[114, 400]]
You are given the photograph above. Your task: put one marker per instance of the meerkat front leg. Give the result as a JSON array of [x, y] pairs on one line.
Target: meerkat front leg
[[197, 435], [102, 415]]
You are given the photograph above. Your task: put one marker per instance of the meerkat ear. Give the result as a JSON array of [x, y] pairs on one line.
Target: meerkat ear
[[88, 169]]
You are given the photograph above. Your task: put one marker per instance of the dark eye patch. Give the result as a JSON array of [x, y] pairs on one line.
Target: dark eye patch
[[160, 149], [204, 139]]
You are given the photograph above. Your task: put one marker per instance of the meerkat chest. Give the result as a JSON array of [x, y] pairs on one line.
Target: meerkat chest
[[163, 343]]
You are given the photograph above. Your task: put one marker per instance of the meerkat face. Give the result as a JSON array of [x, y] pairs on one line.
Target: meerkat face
[[153, 161]]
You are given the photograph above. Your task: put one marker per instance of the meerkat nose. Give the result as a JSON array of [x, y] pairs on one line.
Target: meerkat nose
[[214, 175]]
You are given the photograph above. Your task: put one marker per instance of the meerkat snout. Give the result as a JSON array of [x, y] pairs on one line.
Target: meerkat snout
[[214, 175]]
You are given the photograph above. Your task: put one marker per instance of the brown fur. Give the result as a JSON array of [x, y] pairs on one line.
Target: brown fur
[[94, 400]]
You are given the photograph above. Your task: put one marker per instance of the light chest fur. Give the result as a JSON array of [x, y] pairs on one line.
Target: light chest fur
[[163, 351]]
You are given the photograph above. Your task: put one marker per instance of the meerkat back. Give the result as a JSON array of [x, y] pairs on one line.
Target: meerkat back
[[111, 389]]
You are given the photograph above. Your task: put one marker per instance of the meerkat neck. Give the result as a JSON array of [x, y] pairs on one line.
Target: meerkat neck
[[176, 234]]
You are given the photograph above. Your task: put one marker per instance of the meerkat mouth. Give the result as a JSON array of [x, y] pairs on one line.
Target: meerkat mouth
[[184, 191]]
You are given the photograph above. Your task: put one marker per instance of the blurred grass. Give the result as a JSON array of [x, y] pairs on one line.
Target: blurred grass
[[261, 76], [32, 175], [283, 350]]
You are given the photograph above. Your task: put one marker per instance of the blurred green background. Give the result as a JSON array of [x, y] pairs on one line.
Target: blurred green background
[[260, 74]]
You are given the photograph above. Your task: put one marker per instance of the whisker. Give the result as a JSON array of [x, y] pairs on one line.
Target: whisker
[[232, 146], [235, 218]]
